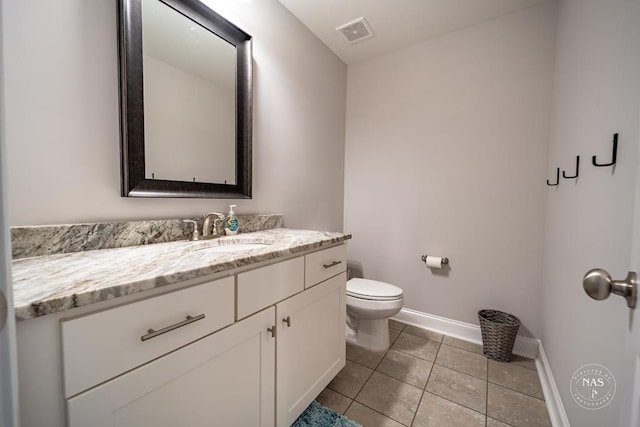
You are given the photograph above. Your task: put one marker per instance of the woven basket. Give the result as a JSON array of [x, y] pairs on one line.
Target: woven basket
[[499, 332]]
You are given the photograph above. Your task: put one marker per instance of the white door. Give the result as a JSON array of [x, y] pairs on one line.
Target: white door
[[592, 221], [8, 369], [633, 347], [600, 285]]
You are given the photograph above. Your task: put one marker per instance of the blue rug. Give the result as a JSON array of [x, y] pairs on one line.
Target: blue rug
[[317, 415]]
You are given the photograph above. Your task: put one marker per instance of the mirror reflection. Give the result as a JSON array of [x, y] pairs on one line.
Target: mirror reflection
[[189, 99]]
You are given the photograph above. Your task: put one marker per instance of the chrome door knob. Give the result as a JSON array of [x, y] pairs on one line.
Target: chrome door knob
[[598, 284]]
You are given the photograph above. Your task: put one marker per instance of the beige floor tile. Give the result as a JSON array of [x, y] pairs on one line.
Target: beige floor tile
[[463, 361], [465, 345], [435, 411], [407, 368], [393, 335], [394, 324], [495, 423], [515, 408], [334, 400], [516, 378], [523, 361], [461, 388], [423, 348], [368, 417], [425, 333], [365, 357], [350, 379], [390, 397]]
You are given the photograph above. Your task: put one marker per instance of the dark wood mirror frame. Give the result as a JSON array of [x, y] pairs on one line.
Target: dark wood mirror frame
[[134, 183]]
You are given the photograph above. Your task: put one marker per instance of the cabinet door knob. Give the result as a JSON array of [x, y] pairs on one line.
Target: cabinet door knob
[[272, 330], [287, 320]]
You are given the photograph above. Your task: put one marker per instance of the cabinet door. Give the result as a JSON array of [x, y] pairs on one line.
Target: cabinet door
[[310, 348], [224, 379]]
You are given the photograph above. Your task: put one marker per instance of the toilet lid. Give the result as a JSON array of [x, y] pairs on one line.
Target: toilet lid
[[372, 289]]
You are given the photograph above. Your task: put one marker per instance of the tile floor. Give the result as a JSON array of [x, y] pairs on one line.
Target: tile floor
[[427, 379]]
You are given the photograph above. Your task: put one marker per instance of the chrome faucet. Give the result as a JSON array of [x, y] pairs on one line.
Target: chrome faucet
[[217, 222]]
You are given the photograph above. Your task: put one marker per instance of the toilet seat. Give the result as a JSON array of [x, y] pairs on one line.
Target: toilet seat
[[372, 290]]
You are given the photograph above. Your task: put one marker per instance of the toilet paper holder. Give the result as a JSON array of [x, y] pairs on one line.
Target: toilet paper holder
[[445, 260]]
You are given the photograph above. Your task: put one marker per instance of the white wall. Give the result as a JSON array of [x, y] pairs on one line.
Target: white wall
[[446, 152], [596, 93], [61, 77]]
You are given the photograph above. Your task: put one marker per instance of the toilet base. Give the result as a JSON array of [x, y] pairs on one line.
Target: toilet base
[[372, 335]]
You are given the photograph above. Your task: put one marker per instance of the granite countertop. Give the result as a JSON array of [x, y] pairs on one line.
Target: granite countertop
[[54, 283]]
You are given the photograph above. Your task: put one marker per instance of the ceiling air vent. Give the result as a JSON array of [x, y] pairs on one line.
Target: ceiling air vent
[[356, 31]]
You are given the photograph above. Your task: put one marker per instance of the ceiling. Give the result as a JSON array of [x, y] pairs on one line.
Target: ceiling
[[395, 23]]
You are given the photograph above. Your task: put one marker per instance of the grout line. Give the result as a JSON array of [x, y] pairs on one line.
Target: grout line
[[454, 402], [348, 406], [413, 420], [486, 401], [415, 413], [365, 381], [361, 403], [462, 372], [378, 412], [517, 391], [447, 399]]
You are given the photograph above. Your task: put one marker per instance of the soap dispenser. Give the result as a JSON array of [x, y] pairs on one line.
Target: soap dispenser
[[231, 226]]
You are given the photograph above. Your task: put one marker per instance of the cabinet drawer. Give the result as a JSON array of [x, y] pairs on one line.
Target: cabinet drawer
[[266, 286], [100, 346], [321, 265]]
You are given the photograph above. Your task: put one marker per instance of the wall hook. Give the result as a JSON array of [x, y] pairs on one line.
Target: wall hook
[[557, 178], [564, 175], [613, 156]]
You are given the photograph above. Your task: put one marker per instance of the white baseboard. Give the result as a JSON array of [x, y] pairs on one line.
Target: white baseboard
[[551, 395], [524, 346]]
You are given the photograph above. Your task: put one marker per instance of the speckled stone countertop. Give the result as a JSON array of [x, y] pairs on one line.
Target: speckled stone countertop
[[54, 283]]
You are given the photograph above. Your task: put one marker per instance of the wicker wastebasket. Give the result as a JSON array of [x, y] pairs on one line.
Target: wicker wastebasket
[[499, 332]]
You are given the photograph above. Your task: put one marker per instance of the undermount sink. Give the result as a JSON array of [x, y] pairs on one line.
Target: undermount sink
[[227, 245], [232, 247]]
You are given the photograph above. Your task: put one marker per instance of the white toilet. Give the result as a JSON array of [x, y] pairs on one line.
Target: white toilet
[[369, 304]]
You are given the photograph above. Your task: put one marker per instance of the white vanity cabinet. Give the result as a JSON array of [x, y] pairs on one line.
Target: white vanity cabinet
[[270, 340]]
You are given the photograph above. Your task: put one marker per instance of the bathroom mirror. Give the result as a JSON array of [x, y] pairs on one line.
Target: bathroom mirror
[[186, 101]]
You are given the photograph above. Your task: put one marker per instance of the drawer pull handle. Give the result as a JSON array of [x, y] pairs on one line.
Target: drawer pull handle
[[287, 320], [153, 333], [333, 264]]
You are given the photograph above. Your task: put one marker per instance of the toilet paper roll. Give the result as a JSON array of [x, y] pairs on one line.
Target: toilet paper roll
[[434, 262]]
